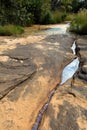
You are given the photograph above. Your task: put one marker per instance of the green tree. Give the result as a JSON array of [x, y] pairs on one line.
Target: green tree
[[20, 12], [67, 4], [55, 4]]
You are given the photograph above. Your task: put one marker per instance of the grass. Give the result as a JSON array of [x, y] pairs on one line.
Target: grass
[[8, 30], [79, 24]]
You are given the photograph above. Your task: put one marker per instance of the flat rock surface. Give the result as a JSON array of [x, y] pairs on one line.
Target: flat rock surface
[[28, 72], [68, 108]]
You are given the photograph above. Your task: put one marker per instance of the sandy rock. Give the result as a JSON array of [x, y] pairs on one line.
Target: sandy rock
[[68, 108], [27, 76]]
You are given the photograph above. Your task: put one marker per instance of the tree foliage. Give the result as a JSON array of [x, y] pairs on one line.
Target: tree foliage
[[79, 24], [20, 12], [26, 12]]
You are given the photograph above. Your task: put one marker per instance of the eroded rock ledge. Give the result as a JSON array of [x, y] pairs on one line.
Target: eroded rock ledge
[[28, 73], [68, 107]]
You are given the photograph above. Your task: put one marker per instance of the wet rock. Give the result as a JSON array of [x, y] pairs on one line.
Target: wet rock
[[27, 76]]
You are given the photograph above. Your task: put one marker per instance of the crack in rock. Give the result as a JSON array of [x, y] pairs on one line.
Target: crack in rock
[[6, 91]]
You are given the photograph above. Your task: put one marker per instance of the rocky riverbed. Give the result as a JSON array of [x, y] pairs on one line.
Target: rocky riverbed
[[29, 72], [68, 107]]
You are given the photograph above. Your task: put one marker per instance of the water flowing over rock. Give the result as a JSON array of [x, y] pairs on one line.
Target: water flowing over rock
[[69, 70], [74, 48]]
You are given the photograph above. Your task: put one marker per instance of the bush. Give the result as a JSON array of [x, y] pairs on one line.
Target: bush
[[47, 18], [70, 17], [52, 17], [9, 30], [24, 19], [20, 12], [59, 16], [79, 24]]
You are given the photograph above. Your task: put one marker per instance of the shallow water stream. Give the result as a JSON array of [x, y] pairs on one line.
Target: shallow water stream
[[57, 29], [71, 68]]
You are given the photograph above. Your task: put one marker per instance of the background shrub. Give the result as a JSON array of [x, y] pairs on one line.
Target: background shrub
[[9, 30], [59, 16], [47, 17], [79, 24], [70, 17], [50, 17]]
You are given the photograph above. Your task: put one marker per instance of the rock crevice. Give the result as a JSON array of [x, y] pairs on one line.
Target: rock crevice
[[68, 108], [34, 73]]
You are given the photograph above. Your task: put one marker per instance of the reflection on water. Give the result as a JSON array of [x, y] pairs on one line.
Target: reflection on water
[[70, 70], [55, 31], [74, 48]]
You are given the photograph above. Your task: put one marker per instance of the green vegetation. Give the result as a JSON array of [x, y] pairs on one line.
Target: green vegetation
[[59, 16], [79, 24], [70, 17], [8, 30], [28, 12], [47, 18], [53, 17], [20, 12]]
